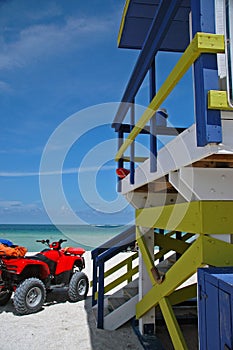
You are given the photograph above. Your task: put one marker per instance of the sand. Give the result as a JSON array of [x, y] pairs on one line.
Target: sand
[[62, 325]]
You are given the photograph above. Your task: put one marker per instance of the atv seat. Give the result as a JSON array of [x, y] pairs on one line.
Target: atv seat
[[73, 251], [51, 264]]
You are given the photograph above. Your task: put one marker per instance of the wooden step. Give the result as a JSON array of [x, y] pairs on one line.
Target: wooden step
[[131, 289], [117, 299], [106, 308], [166, 264], [121, 315]]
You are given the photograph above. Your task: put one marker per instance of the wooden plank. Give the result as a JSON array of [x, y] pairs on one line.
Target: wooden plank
[[156, 186], [215, 161]]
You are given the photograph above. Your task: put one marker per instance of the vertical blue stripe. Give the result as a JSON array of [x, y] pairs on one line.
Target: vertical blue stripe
[[208, 122], [132, 147], [153, 138]]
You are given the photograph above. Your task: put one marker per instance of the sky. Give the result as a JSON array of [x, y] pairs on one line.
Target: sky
[[61, 79]]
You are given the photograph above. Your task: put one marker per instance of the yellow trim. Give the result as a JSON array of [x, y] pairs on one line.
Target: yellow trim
[[212, 217], [172, 325], [218, 100], [201, 43], [120, 265], [125, 277], [121, 279], [123, 21], [126, 262]]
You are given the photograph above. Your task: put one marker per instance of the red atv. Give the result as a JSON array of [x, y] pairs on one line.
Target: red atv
[[30, 277]]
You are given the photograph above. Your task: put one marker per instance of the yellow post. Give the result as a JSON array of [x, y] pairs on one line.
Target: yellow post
[[172, 325]]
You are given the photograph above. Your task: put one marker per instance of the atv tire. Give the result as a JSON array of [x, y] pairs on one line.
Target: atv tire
[[78, 287], [29, 296], [5, 297]]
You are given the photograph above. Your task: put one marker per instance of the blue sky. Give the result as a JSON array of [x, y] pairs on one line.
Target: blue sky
[[58, 58]]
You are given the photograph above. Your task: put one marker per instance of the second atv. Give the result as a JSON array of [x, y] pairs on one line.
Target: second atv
[[31, 277]]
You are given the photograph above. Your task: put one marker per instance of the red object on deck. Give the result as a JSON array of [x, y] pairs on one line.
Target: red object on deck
[[122, 172]]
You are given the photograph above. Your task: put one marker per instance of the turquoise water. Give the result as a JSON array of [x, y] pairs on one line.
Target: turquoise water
[[87, 237]]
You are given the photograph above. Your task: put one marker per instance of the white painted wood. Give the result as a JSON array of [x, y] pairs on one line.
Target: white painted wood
[[121, 315], [148, 199], [180, 186], [208, 183], [226, 115], [220, 29], [145, 284]]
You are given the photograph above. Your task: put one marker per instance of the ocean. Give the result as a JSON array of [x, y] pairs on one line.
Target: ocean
[[84, 236]]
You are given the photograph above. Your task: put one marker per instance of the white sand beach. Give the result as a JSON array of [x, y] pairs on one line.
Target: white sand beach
[[62, 325]]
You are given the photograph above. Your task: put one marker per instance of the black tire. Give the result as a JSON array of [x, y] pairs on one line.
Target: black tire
[[5, 297], [78, 287], [29, 296]]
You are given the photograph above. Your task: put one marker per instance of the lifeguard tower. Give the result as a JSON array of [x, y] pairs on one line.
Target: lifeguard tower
[[182, 192]]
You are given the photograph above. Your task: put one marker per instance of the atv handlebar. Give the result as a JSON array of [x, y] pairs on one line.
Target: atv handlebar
[[43, 241], [53, 245]]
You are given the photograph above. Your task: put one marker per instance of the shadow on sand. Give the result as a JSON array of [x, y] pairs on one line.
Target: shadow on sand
[[123, 338], [57, 296]]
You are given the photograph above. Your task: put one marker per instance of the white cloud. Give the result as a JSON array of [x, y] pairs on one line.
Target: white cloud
[[13, 207], [8, 204], [39, 41], [56, 172], [16, 151]]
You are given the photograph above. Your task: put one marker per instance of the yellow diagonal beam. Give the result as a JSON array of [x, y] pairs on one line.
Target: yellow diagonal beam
[[178, 246], [165, 250], [184, 268], [148, 259], [216, 252], [172, 325], [204, 251], [182, 294], [201, 43]]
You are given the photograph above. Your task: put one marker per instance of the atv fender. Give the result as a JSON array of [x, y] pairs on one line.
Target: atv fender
[[28, 267], [80, 263]]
